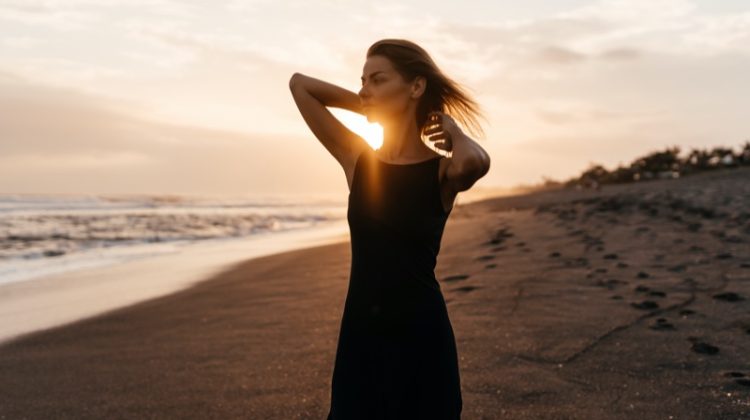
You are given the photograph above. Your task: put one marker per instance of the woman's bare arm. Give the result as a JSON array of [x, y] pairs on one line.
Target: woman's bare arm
[[312, 96], [329, 94], [469, 162]]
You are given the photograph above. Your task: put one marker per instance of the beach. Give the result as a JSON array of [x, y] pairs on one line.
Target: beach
[[630, 301], [67, 296]]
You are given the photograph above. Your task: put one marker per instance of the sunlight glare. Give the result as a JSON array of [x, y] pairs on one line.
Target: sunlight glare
[[371, 132]]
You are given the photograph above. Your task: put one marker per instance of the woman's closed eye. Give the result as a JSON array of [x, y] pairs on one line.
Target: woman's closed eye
[[376, 81]]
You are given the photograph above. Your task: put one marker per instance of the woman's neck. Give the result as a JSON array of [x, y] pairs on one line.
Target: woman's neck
[[402, 141]]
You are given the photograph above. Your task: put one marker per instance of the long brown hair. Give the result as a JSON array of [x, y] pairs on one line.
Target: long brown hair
[[441, 93]]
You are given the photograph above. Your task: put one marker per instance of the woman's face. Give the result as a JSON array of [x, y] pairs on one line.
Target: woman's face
[[384, 94]]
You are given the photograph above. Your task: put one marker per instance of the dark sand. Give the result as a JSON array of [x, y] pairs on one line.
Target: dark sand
[[632, 302]]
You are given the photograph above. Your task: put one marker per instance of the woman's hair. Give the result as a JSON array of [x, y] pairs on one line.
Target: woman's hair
[[441, 93]]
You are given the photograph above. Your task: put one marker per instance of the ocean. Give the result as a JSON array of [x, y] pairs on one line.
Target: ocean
[[49, 234]]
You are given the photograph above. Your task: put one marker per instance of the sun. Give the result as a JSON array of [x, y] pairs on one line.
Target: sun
[[372, 133]]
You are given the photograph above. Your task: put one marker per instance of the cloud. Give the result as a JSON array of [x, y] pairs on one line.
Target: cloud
[[598, 69], [722, 33], [57, 120], [560, 55], [612, 30], [45, 13], [183, 45], [622, 53], [61, 140], [582, 114], [650, 11], [24, 163], [565, 56], [21, 42]]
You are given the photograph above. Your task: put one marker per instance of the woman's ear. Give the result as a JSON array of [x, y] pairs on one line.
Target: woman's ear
[[418, 87]]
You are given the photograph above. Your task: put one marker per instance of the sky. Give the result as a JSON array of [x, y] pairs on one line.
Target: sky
[[192, 97]]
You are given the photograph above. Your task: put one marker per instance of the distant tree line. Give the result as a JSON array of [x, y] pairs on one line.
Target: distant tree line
[[664, 164]]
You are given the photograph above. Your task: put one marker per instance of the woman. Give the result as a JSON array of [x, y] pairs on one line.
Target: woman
[[396, 355]]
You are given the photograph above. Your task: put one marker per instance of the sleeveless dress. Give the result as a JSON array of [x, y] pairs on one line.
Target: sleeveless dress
[[396, 354]]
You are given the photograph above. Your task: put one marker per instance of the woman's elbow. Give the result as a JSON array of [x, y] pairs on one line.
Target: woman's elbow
[[294, 79], [481, 164], [486, 163]]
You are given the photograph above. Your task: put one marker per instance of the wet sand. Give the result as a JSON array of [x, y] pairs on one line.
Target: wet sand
[[65, 297], [628, 302]]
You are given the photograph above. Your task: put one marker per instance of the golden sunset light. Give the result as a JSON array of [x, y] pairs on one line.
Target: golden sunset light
[[372, 132], [375, 210], [176, 85]]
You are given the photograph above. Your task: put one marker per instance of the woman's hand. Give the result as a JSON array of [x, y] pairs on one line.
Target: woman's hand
[[440, 129]]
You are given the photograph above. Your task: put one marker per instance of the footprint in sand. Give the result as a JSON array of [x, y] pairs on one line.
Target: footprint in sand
[[745, 265], [686, 312], [679, 268], [500, 236], [464, 289], [723, 256], [734, 374], [521, 244], [554, 254], [694, 227], [662, 324], [498, 248], [704, 348], [642, 275], [641, 288], [485, 257], [457, 277], [689, 280], [601, 270], [621, 265], [610, 284], [610, 256], [490, 266], [729, 297], [646, 304], [577, 262], [734, 239], [616, 297], [658, 293]]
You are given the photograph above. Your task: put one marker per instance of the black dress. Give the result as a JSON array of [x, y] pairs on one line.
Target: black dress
[[396, 354]]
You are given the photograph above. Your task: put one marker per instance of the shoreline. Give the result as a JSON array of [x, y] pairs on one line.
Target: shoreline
[[61, 298], [55, 300]]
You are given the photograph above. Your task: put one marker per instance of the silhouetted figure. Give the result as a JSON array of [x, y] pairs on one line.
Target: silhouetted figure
[[396, 354]]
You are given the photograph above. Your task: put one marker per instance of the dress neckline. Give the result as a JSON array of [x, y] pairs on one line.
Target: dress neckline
[[406, 164]]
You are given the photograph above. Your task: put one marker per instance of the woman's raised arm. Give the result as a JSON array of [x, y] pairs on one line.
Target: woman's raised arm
[[328, 94], [312, 96]]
